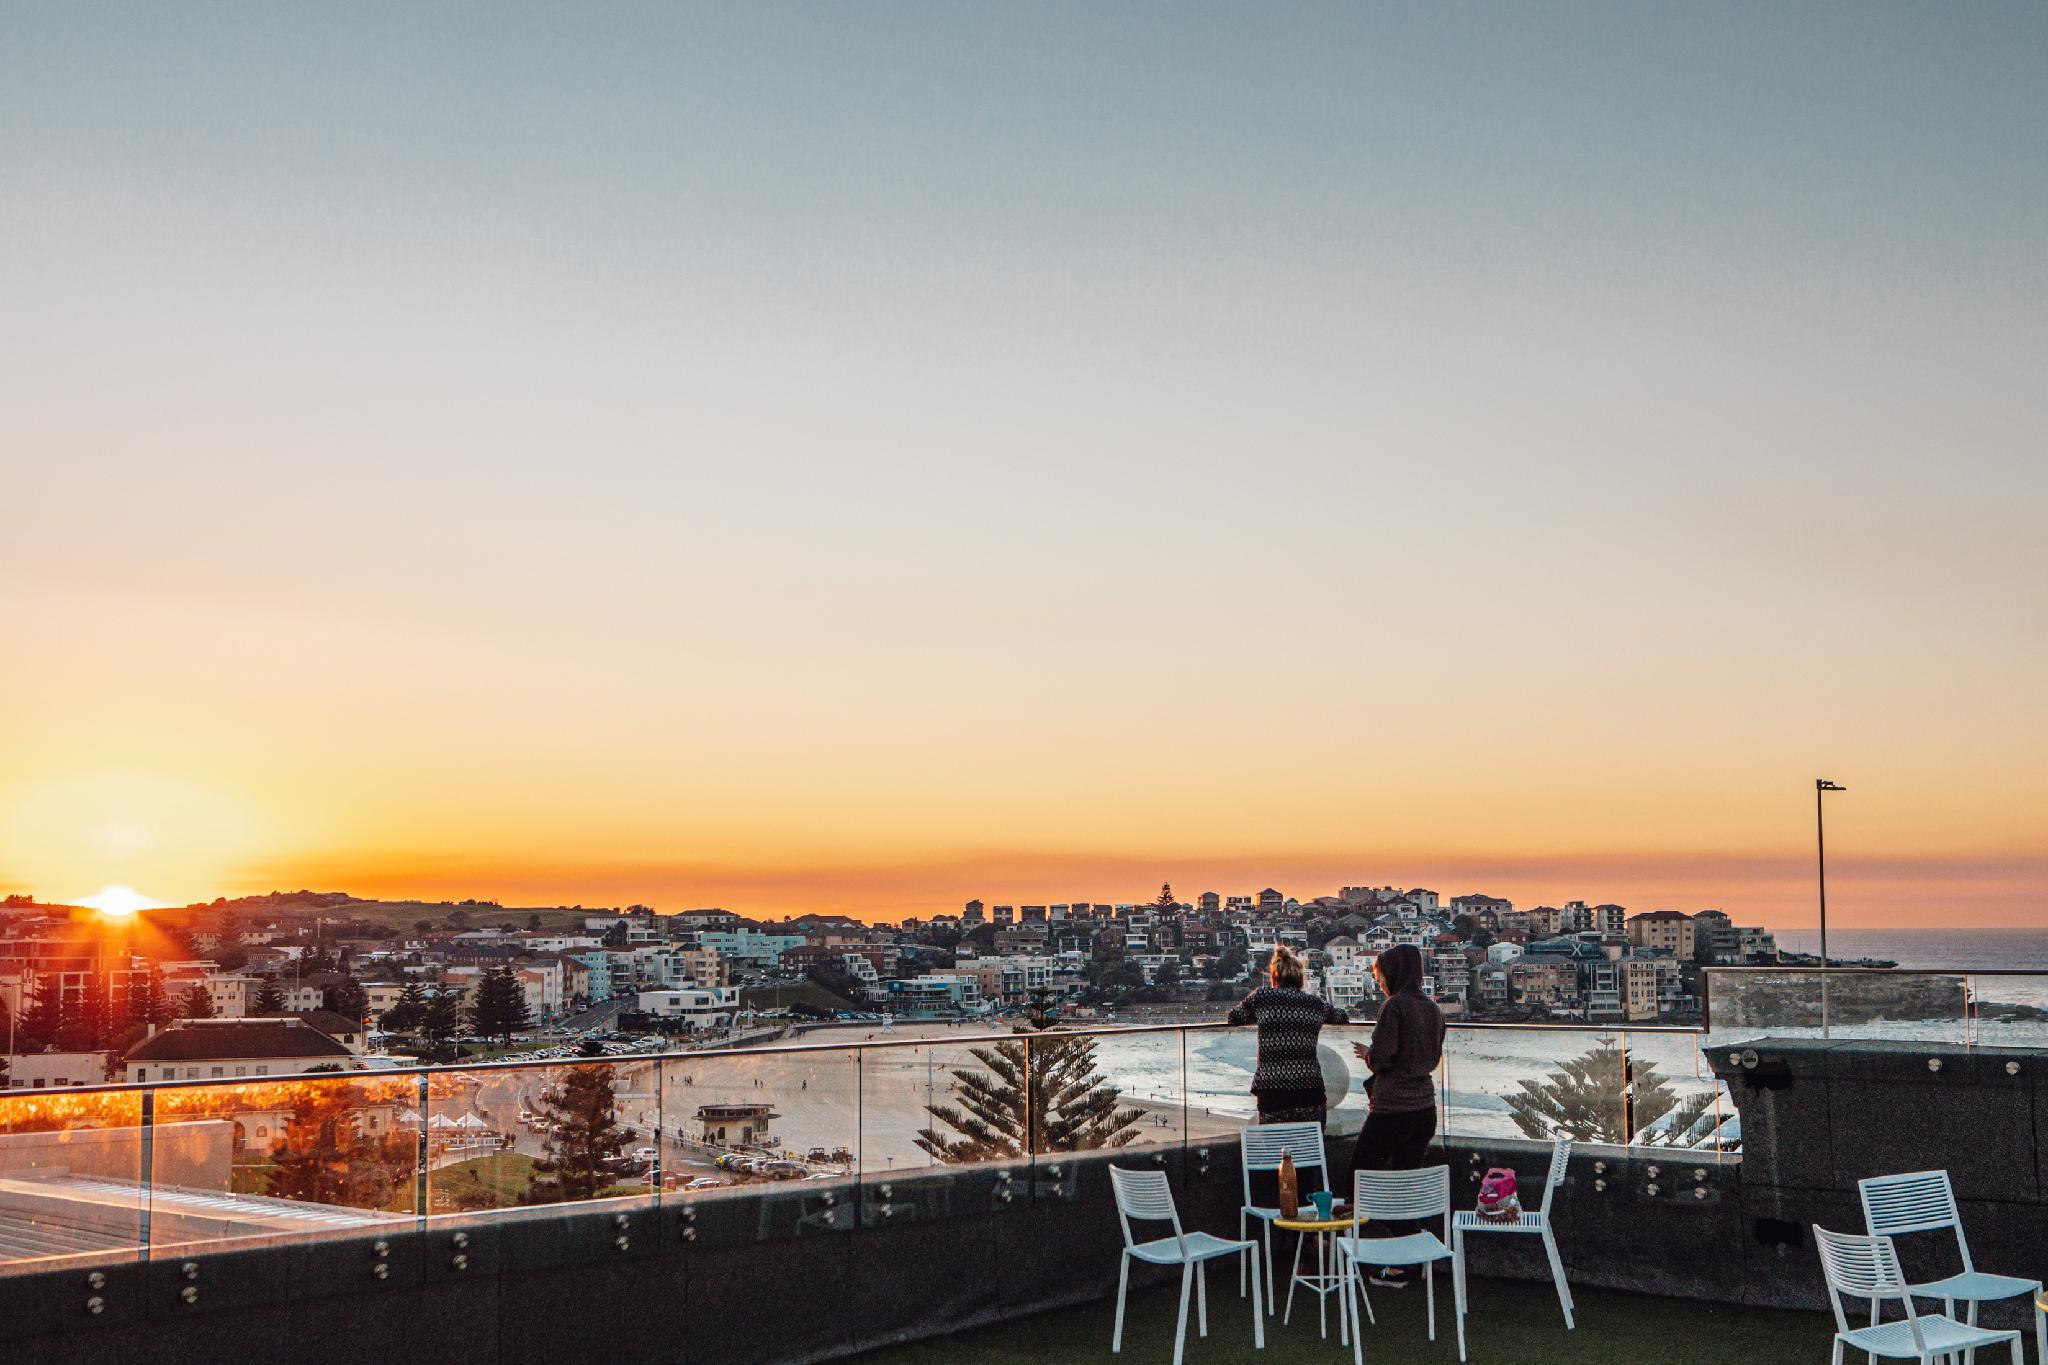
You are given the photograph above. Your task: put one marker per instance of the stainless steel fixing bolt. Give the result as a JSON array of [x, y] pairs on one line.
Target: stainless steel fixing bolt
[[460, 1239], [190, 1293], [381, 1271], [190, 1270], [95, 1304], [459, 1261], [96, 1280]]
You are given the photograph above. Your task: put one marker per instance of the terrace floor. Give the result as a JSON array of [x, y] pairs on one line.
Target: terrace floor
[[1511, 1323]]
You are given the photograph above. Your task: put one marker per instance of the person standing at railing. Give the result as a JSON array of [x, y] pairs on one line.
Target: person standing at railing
[[1407, 1043], [1288, 1083]]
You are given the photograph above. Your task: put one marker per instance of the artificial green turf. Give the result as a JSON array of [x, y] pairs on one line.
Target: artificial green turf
[[1510, 1323]]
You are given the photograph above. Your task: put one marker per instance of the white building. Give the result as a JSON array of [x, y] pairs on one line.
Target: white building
[[698, 1006]]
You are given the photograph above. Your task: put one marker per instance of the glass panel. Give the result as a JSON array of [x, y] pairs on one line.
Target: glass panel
[[1113, 1089], [70, 1179], [1673, 1097], [504, 1137], [738, 1119], [1507, 1080], [2009, 1011], [291, 1158], [1928, 1007], [1744, 1004]]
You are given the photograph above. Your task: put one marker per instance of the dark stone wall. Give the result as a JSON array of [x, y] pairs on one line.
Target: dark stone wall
[[1818, 1116], [811, 1271]]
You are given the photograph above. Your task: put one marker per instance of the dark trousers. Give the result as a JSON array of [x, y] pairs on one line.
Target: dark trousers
[[1391, 1142]]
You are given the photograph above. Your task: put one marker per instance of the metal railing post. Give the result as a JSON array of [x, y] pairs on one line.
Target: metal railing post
[[145, 1174], [419, 1185]]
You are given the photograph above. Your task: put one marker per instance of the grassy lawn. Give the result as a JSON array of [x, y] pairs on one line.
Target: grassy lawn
[[803, 993], [1511, 1323], [504, 1176]]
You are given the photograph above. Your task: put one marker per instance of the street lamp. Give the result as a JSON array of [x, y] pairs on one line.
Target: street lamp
[[1821, 786]]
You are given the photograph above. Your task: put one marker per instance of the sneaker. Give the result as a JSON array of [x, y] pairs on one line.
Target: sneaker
[[1388, 1278]]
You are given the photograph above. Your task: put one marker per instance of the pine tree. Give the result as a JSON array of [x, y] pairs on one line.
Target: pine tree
[[269, 1000], [1602, 1096], [1166, 903], [1037, 1095], [45, 1013], [347, 998], [500, 1008], [585, 1140], [409, 1011], [150, 1004], [199, 1003], [95, 1020], [443, 1017]]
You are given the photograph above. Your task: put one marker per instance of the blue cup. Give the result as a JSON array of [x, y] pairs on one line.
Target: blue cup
[[1324, 1202]]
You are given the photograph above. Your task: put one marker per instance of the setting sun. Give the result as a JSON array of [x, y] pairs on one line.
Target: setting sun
[[118, 902]]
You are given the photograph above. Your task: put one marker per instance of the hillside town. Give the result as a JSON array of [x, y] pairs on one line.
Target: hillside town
[[293, 983]]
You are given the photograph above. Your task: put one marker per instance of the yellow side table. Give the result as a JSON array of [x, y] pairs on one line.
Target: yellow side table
[[1326, 1280]]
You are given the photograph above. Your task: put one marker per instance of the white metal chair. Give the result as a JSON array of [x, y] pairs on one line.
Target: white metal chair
[[1397, 1196], [1263, 1146], [1925, 1201], [1147, 1197], [1536, 1220], [1865, 1267]]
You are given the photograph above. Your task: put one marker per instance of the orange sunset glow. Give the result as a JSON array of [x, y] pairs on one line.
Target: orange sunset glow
[[1328, 463]]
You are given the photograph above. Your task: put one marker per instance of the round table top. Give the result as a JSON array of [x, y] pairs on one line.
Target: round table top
[[1311, 1223]]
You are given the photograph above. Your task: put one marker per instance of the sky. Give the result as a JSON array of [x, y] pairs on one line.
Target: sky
[[824, 457]]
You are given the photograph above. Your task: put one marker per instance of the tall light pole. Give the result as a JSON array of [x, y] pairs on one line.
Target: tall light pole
[[1821, 786]]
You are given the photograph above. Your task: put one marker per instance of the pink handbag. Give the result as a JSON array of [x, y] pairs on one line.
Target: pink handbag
[[1497, 1201]]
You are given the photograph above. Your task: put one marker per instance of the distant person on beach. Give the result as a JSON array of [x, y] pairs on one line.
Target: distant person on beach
[[1407, 1043], [1288, 1084]]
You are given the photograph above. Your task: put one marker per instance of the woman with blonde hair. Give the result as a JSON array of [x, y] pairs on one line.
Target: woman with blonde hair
[[1288, 1084]]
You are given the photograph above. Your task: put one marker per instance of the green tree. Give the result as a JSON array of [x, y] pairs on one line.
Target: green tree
[[407, 1012], [150, 1003], [443, 1019], [585, 1140], [198, 1003], [90, 1026], [1602, 1096], [348, 998], [1035, 1094], [269, 1000], [499, 1009], [1166, 904]]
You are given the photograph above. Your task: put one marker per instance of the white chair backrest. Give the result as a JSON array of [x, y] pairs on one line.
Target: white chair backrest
[[1264, 1144], [1862, 1267], [1146, 1196], [1560, 1159], [1403, 1195], [1918, 1201]]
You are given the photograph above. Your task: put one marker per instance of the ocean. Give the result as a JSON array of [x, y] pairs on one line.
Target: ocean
[[1954, 949]]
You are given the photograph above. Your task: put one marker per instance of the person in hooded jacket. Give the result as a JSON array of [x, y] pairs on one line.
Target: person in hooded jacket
[[1407, 1043]]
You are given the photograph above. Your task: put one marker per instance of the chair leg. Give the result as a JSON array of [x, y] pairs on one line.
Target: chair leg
[[1564, 1292], [1258, 1305], [1458, 1286], [1835, 1356], [1180, 1327], [1429, 1290], [1970, 1356], [1272, 1298], [1242, 1261], [1202, 1298], [1123, 1284], [1353, 1281], [1292, 1276]]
